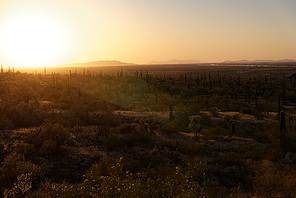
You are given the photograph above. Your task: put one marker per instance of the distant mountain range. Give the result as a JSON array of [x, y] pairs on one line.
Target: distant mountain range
[[174, 61], [268, 62], [98, 63]]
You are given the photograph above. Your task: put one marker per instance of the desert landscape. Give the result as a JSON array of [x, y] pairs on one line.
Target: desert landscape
[[135, 99], [189, 131]]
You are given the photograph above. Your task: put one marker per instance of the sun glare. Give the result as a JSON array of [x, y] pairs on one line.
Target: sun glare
[[31, 41]]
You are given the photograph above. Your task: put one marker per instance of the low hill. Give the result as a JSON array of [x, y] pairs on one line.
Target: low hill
[[98, 63]]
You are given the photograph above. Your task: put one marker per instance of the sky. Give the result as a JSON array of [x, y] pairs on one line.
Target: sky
[[49, 33]]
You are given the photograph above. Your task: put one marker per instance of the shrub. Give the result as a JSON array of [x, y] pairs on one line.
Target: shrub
[[275, 182], [5, 149], [15, 165], [236, 116], [28, 150], [194, 124], [114, 142], [50, 189], [290, 159], [187, 181], [21, 186], [187, 147], [182, 116], [245, 110], [230, 158], [168, 128], [49, 148], [48, 131], [214, 112], [138, 137], [5, 123]]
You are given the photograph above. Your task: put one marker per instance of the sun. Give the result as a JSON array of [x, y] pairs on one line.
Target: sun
[[32, 40]]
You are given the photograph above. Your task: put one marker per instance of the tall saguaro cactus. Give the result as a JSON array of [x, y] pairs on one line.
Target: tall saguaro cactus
[[283, 131], [279, 104]]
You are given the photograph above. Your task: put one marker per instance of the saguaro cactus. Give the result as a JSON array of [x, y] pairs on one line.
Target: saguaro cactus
[[279, 104], [283, 131], [233, 128]]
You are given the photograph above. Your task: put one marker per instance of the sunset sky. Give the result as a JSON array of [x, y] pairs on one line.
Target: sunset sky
[[48, 33]]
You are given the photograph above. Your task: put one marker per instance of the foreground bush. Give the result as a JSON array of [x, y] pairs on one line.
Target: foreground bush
[[276, 182], [114, 181], [44, 139]]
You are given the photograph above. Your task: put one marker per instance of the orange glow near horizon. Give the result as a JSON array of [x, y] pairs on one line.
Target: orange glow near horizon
[[38, 33]]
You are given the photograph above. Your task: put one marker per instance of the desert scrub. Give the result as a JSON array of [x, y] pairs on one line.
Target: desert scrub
[[182, 114], [117, 141], [276, 181], [15, 165], [21, 186], [48, 131], [5, 149], [168, 128], [5, 123], [50, 189], [179, 181], [27, 150], [188, 147], [195, 123], [49, 148], [114, 142], [230, 158]]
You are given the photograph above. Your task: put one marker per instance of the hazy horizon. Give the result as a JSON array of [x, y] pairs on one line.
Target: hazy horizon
[[56, 32]]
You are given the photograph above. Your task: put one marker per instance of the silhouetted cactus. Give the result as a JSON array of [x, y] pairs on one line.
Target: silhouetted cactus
[[233, 128], [279, 104], [283, 131]]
